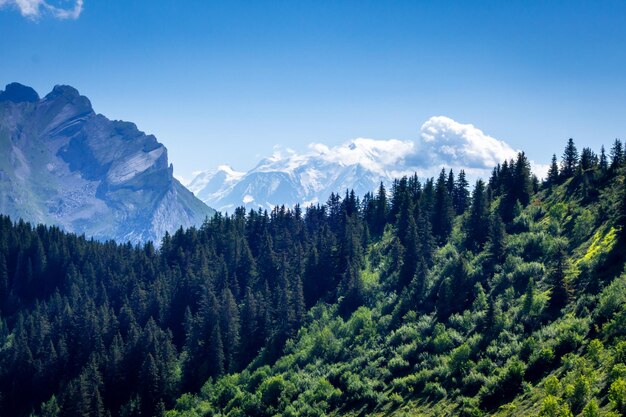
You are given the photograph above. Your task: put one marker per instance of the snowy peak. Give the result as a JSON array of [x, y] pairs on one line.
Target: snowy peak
[[288, 177]]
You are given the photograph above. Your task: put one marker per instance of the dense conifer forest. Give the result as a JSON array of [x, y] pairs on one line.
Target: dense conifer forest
[[434, 297]]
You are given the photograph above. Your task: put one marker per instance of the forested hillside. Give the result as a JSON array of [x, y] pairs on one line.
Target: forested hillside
[[431, 298]]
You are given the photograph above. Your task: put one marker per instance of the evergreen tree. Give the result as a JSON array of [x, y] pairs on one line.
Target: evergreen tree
[[522, 186], [451, 184], [559, 294], [411, 253], [461, 194], [617, 154], [553, 172], [604, 164], [443, 214], [150, 386], [588, 159], [478, 221], [496, 246], [229, 324], [569, 161], [50, 408], [216, 352], [4, 281]]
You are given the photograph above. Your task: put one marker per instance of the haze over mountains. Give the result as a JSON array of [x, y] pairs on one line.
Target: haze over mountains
[[63, 164], [289, 178]]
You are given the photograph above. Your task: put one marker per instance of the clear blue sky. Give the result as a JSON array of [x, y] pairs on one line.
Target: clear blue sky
[[224, 81]]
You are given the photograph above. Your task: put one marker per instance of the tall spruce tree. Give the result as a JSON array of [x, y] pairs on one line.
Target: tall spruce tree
[[569, 161], [443, 213], [478, 221], [604, 164], [553, 172], [617, 154], [461, 196]]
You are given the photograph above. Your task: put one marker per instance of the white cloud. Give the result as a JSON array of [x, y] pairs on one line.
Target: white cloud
[[442, 142], [447, 142], [376, 155], [36, 9]]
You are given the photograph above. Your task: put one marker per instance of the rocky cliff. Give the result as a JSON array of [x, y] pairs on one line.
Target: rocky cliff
[[64, 164]]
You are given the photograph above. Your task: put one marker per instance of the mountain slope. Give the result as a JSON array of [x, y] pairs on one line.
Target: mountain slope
[[64, 164], [529, 322], [426, 301]]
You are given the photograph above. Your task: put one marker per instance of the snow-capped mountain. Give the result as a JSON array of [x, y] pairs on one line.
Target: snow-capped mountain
[[63, 164], [288, 177]]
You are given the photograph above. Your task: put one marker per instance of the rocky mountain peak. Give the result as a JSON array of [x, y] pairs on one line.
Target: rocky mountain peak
[[18, 93], [64, 164]]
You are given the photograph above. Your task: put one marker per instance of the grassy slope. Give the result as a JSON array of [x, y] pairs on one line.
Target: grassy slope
[[375, 363]]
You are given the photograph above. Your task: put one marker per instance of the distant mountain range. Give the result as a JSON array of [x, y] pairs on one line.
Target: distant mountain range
[[63, 164], [298, 178], [288, 177]]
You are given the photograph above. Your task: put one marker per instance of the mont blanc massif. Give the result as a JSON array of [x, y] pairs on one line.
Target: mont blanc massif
[[446, 276]]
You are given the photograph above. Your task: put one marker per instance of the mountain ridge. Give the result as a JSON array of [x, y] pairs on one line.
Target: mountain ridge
[[69, 166]]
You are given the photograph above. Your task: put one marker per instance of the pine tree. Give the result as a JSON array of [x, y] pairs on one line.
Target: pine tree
[[50, 408], [588, 159], [522, 184], [559, 295], [553, 173], [382, 210], [461, 194], [604, 164], [216, 352], [411, 254], [496, 241], [529, 297], [451, 184], [478, 222], [4, 280], [229, 324], [443, 214], [299, 306], [250, 342], [150, 386], [621, 217], [617, 154], [569, 161]]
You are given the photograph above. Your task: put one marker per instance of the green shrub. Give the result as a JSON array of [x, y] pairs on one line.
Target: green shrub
[[591, 409], [554, 407], [434, 391], [552, 386], [617, 395]]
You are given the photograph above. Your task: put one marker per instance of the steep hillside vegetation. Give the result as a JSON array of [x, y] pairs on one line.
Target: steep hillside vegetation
[[520, 310], [430, 299]]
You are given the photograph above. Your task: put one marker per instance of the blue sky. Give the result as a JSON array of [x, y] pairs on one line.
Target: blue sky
[[225, 81]]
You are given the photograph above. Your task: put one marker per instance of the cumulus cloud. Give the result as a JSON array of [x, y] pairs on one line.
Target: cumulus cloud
[[442, 143], [36, 9], [450, 143], [375, 155]]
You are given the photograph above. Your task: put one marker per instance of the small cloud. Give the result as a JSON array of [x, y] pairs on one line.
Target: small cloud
[[540, 170], [36, 9]]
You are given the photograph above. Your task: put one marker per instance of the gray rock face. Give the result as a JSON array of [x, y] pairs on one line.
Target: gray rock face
[[64, 164]]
